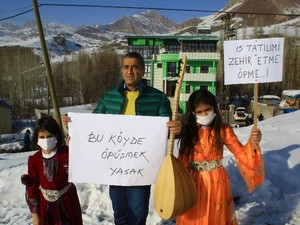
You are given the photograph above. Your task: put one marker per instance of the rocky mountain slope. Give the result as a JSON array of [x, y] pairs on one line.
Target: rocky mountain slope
[[145, 23], [251, 13], [65, 40], [275, 8]]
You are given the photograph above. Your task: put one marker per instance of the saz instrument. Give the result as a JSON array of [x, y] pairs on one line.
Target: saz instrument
[[175, 191]]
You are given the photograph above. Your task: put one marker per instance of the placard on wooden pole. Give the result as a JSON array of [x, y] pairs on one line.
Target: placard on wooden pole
[[253, 61]]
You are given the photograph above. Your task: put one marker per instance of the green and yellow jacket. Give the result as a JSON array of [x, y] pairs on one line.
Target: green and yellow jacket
[[150, 102]]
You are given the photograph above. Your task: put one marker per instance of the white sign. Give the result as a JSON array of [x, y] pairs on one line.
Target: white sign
[[253, 61], [116, 149]]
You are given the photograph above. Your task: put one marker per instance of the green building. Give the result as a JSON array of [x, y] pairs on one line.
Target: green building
[[163, 56]]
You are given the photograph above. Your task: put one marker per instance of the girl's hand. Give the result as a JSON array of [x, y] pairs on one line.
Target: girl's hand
[[255, 136], [36, 219]]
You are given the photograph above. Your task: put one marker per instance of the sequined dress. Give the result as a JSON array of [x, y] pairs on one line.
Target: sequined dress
[[215, 204]]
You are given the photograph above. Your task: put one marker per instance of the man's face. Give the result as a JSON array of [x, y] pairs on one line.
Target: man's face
[[132, 72]]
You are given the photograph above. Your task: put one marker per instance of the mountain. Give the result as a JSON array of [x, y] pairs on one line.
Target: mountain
[[275, 9], [65, 40], [145, 23], [249, 13]]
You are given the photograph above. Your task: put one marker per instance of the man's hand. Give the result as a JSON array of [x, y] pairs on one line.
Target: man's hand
[[174, 126], [65, 119]]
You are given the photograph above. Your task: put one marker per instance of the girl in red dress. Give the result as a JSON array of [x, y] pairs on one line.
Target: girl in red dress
[[51, 198]]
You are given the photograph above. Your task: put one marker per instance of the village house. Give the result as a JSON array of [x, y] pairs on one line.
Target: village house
[[163, 57]]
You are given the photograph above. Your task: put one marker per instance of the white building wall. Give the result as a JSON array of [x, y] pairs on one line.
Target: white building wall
[[158, 78]]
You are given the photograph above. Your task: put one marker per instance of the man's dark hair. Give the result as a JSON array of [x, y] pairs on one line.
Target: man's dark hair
[[136, 56]]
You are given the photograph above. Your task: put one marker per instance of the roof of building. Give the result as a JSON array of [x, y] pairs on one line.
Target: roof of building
[[291, 93], [178, 37], [270, 97], [4, 104]]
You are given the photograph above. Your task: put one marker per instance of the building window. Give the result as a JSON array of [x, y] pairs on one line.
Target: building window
[[145, 51], [148, 83], [174, 48], [155, 50], [207, 47], [188, 69], [204, 69], [171, 69], [192, 47], [171, 86], [159, 65], [187, 88], [147, 70]]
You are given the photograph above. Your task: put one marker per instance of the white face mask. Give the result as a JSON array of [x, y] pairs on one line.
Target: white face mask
[[206, 120], [47, 143]]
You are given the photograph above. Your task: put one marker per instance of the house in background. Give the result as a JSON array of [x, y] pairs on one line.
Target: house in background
[[5, 118], [163, 58]]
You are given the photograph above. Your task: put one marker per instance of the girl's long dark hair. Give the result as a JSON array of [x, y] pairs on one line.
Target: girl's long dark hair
[[49, 124], [190, 137]]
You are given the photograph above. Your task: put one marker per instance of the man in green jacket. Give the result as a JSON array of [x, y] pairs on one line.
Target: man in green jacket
[[134, 97]]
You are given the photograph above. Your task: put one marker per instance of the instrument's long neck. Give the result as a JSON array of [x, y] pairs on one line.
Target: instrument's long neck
[[174, 117], [175, 105]]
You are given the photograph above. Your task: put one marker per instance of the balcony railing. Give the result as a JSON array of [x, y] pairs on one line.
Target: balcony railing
[[201, 55], [184, 97], [200, 77]]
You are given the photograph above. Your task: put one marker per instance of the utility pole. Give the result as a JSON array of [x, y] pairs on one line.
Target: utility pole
[[47, 64], [229, 33]]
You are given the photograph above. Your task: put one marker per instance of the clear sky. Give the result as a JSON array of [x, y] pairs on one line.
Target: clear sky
[[76, 16]]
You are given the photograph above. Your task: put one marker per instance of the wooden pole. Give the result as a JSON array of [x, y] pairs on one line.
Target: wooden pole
[[255, 105], [255, 108], [47, 64]]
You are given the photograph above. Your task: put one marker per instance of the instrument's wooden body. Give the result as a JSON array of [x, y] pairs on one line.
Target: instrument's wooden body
[[175, 191]]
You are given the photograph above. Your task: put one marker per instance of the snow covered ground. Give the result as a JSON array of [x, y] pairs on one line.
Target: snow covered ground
[[276, 202]]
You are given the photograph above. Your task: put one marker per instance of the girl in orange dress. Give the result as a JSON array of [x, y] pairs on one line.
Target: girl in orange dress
[[201, 152]]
